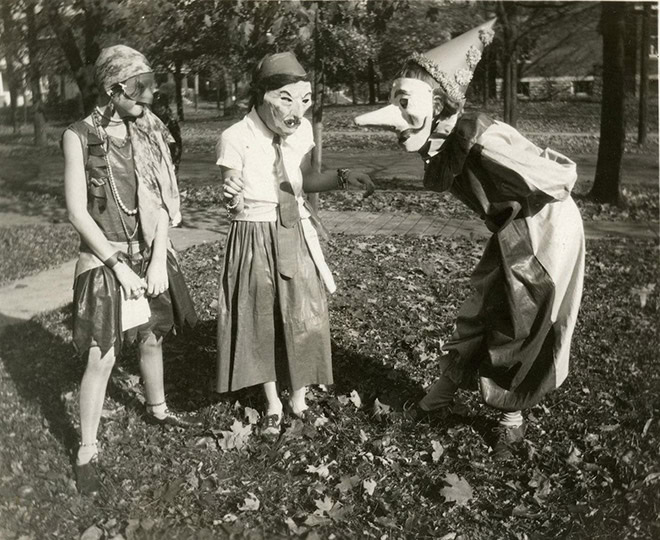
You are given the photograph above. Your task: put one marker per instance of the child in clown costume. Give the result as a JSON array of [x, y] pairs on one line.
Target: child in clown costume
[[515, 329]]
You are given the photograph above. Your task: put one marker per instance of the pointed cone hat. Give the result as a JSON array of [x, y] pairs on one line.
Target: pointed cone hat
[[451, 64]]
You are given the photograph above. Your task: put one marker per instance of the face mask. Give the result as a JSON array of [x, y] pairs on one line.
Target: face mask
[[282, 109], [140, 88], [414, 99]]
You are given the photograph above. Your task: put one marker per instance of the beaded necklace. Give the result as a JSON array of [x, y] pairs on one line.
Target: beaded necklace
[[113, 185]]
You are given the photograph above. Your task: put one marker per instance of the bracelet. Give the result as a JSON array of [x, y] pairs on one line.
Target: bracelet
[[231, 206], [342, 178], [113, 260]]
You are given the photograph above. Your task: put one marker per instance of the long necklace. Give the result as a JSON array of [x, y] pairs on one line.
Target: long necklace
[[110, 119], [111, 176]]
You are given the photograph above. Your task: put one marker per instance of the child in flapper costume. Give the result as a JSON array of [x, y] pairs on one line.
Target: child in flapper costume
[[121, 196], [273, 316]]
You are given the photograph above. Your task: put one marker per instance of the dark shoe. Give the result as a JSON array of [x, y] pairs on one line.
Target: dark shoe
[[414, 413], [87, 478], [271, 425], [173, 419], [506, 437]]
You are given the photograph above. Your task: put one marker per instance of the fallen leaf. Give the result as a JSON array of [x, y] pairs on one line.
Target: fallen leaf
[[369, 486], [456, 489], [294, 528], [250, 503], [322, 470], [381, 409], [236, 438], [348, 483], [438, 450], [323, 506], [92, 533], [251, 415], [574, 456], [355, 399]]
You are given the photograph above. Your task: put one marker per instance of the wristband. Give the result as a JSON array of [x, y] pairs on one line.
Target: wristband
[[342, 178], [113, 260]]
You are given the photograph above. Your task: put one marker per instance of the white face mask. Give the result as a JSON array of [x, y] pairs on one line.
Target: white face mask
[[414, 99], [283, 109]]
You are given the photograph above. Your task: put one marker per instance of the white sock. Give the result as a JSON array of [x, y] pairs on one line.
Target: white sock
[[511, 419]]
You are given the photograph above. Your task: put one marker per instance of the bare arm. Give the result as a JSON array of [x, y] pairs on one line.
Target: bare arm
[[316, 182], [156, 277], [75, 191]]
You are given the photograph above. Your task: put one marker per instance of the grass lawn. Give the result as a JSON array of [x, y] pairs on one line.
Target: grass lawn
[[587, 469], [32, 248]]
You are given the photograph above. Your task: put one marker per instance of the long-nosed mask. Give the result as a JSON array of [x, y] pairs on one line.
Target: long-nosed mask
[[410, 113]]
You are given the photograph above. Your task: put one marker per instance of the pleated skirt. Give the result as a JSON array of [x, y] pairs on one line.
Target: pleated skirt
[[270, 328], [97, 307]]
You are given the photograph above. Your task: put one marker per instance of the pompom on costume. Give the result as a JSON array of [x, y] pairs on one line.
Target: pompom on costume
[[515, 329]]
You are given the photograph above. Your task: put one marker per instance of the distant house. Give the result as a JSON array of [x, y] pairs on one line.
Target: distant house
[[60, 87], [566, 61]]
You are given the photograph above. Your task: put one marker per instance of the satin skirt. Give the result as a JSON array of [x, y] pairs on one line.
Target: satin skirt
[[270, 328], [97, 307]]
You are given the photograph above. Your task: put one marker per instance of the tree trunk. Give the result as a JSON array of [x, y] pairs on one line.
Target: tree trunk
[[510, 81], [632, 45], [606, 188], [485, 78], [229, 92], [371, 73], [317, 106], [178, 79], [35, 75], [9, 44], [83, 74], [644, 52], [354, 91], [196, 91]]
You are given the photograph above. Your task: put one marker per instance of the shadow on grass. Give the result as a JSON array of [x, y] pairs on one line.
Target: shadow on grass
[[43, 368]]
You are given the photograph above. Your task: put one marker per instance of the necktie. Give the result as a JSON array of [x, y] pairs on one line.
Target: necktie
[[288, 204], [287, 233]]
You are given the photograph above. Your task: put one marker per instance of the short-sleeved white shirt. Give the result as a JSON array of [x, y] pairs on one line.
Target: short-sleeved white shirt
[[247, 146]]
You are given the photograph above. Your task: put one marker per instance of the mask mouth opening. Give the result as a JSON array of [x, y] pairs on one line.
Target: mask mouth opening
[[407, 133], [292, 122]]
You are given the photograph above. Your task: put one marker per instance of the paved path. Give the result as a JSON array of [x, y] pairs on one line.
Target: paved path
[[51, 289]]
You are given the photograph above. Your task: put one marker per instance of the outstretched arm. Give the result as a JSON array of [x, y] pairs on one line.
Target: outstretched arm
[[316, 182]]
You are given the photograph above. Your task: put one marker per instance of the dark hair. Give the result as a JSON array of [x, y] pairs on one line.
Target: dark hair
[[450, 106], [261, 86]]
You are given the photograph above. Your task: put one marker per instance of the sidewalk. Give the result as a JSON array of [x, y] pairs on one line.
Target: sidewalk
[[51, 289]]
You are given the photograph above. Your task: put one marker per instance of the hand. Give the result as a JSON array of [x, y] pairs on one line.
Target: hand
[[361, 180], [231, 187], [157, 282], [132, 284]]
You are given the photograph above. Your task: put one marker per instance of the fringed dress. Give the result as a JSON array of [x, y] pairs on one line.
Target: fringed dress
[[96, 298]]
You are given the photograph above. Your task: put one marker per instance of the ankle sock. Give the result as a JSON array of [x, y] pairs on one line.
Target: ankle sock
[[511, 419]]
